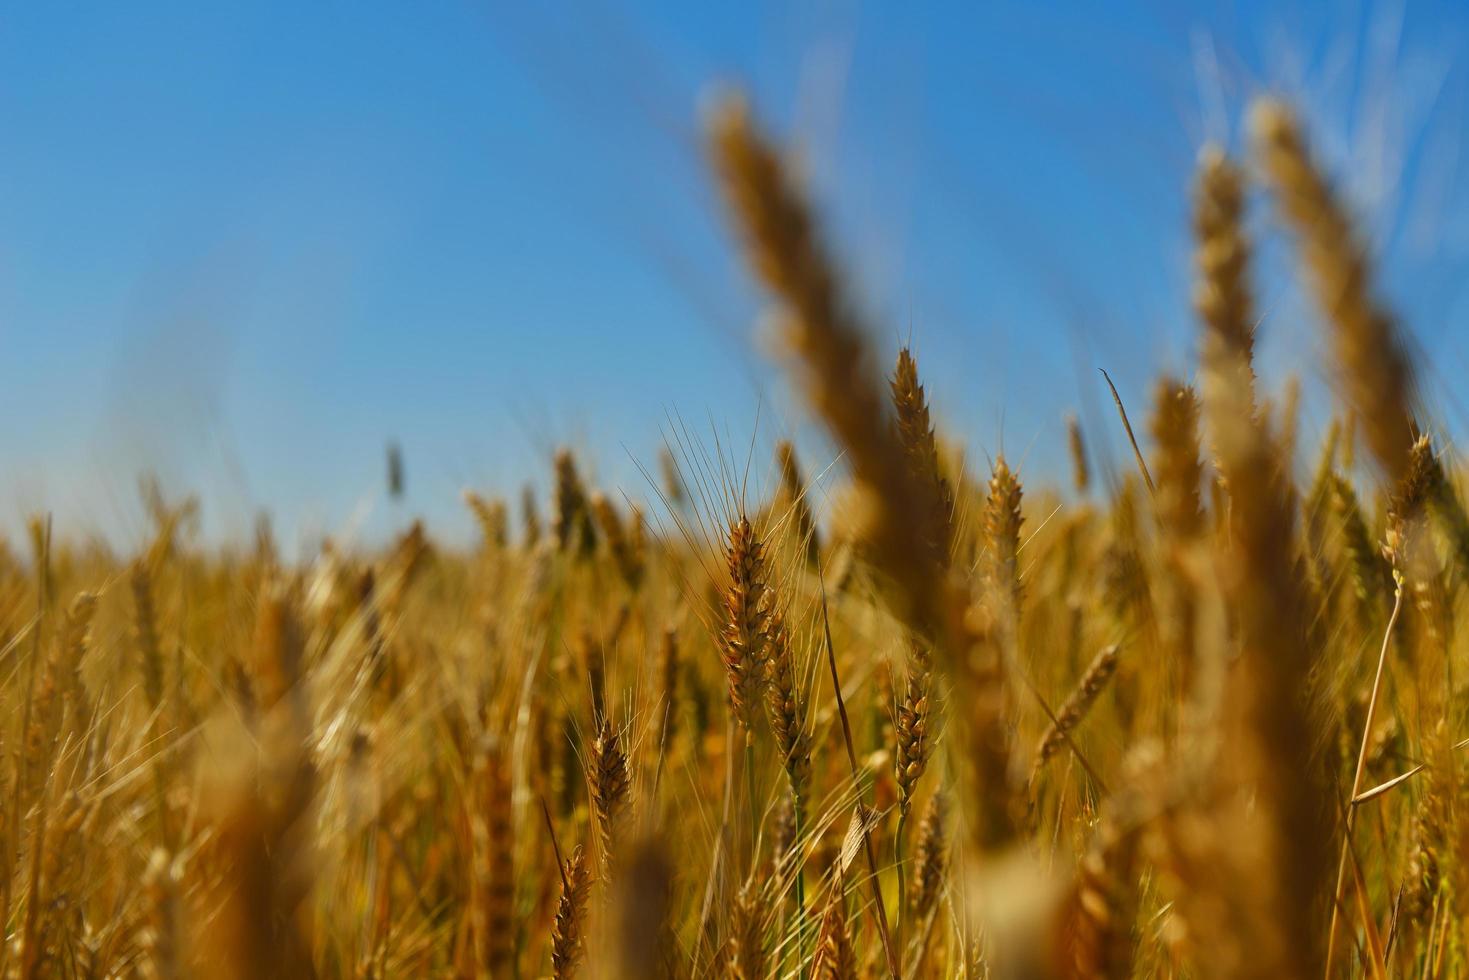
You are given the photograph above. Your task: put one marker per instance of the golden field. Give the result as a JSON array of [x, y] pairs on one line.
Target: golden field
[[1204, 723]]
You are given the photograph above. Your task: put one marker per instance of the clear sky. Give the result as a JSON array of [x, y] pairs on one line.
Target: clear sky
[[245, 248]]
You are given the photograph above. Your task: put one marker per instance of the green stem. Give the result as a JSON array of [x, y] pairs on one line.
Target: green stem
[[902, 881]]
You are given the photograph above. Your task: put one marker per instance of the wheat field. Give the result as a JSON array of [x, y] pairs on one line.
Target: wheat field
[[938, 722]]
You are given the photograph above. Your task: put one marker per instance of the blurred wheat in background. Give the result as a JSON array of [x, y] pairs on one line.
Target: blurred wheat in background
[[938, 720]]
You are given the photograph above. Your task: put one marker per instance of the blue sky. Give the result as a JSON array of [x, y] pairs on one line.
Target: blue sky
[[245, 248]]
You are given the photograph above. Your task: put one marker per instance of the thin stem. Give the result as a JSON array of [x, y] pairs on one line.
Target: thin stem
[[902, 879], [894, 966], [750, 789], [800, 887], [722, 845], [555, 847], [1346, 843]]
